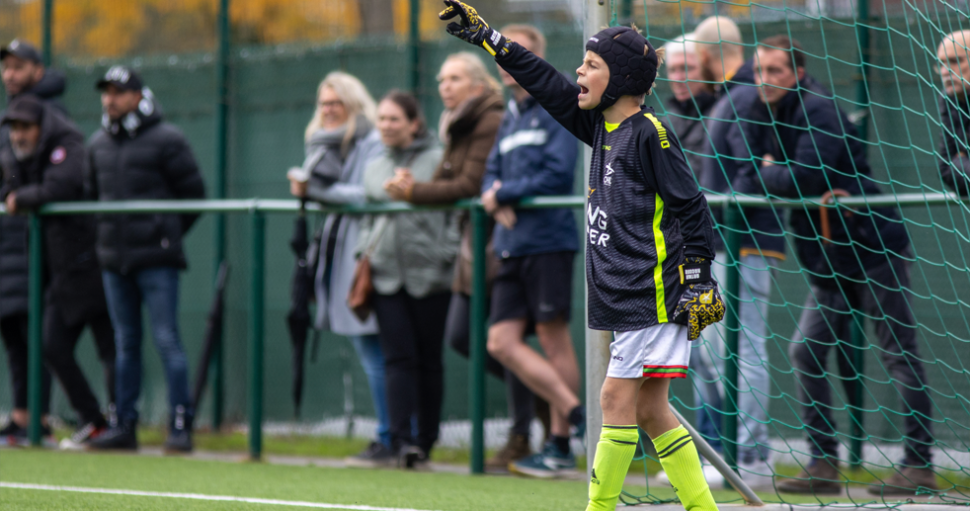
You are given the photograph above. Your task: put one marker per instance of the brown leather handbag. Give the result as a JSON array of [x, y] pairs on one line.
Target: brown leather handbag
[[361, 293]]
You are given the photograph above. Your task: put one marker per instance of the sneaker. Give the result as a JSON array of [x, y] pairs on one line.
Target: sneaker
[[412, 457], [12, 434], [376, 455], [713, 477], [549, 463], [820, 477], [47, 439], [907, 481], [759, 475], [120, 437], [515, 449], [84, 435], [180, 434]]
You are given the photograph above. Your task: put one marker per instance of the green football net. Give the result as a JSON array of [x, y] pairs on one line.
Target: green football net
[[819, 371]]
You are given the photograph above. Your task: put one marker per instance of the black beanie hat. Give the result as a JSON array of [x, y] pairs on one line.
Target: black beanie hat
[[631, 60]]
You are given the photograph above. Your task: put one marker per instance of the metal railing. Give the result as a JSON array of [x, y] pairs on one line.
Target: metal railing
[[257, 209]]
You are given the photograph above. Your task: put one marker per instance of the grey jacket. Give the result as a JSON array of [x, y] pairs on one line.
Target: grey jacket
[[332, 311], [415, 251]]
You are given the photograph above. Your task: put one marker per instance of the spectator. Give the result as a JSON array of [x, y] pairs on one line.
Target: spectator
[[523, 405], [954, 69], [340, 142], [467, 127], [692, 99], [762, 250], [816, 151], [44, 163], [533, 155], [137, 156], [22, 72], [412, 259]]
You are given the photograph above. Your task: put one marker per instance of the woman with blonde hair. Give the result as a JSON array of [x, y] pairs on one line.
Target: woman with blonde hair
[[340, 142]]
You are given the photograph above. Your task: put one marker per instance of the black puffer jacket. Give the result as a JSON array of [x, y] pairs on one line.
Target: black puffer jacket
[[54, 174], [142, 158], [13, 229]]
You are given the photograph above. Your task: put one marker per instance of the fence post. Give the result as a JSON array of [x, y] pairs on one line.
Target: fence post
[[219, 191], [734, 222], [256, 336], [478, 333], [46, 32], [597, 348], [414, 45], [35, 365], [858, 335]]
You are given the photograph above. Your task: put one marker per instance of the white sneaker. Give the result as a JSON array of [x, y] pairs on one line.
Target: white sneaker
[[714, 478], [758, 474]]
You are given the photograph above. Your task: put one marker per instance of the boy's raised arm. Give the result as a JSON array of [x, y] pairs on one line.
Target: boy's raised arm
[[548, 86]]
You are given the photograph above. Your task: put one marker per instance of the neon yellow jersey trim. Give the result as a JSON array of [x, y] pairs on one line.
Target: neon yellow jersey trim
[[658, 271], [610, 126]]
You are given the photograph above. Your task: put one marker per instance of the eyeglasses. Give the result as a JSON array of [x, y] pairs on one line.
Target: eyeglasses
[[950, 64], [330, 104]]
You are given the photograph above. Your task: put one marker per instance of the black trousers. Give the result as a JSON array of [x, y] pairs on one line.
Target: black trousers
[[826, 324], [14, 331], [521, 399], [412, 336], [60, 340]]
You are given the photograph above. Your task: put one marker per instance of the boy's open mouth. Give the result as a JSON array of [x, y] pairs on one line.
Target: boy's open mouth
[[583, 91]]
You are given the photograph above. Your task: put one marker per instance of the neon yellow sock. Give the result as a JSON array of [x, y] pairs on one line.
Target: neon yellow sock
[[614, 452], [678, 456]]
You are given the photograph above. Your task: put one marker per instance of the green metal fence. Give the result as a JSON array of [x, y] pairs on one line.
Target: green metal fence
[[257, 210]]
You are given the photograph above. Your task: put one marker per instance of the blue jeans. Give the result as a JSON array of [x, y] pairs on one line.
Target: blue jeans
[[158, 289], [368, 348], [754, 383]]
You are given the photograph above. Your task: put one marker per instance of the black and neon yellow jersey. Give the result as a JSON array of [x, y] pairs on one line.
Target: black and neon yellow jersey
[[645, 212]]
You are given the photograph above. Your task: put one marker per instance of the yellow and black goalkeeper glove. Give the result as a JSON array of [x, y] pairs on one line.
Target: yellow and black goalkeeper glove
[[473, 28], [701, 305]]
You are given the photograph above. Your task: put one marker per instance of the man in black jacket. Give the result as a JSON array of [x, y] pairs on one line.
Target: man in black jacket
[[136, 156], [856, 260], [720, 50], [44, 163], [22, 73], [954, 69]]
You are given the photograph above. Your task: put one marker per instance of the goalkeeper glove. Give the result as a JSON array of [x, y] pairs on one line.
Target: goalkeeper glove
[[473, 28], [701, 305]]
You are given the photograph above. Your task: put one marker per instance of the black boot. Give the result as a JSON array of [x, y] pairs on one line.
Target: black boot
[[180, 432]]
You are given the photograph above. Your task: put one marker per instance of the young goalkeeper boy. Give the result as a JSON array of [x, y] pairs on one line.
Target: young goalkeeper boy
[[649, 243]]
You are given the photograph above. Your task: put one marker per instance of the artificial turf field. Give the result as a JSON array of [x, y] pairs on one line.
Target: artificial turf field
[[214, 483], [375, 488]]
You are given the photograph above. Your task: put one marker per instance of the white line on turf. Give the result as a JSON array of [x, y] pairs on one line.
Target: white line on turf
[[198, 496]]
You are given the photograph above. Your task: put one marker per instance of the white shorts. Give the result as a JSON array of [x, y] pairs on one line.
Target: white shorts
[[661, 351]]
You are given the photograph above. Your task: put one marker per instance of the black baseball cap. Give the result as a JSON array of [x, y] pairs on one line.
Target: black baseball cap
[[21, 50], [122, 77], [25, 108]]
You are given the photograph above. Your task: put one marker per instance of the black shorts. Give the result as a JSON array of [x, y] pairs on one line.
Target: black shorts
[[537, 288]]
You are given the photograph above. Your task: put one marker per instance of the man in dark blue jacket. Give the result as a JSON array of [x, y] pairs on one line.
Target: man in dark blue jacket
[[856, 260], [533, 155], [762, 249]]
